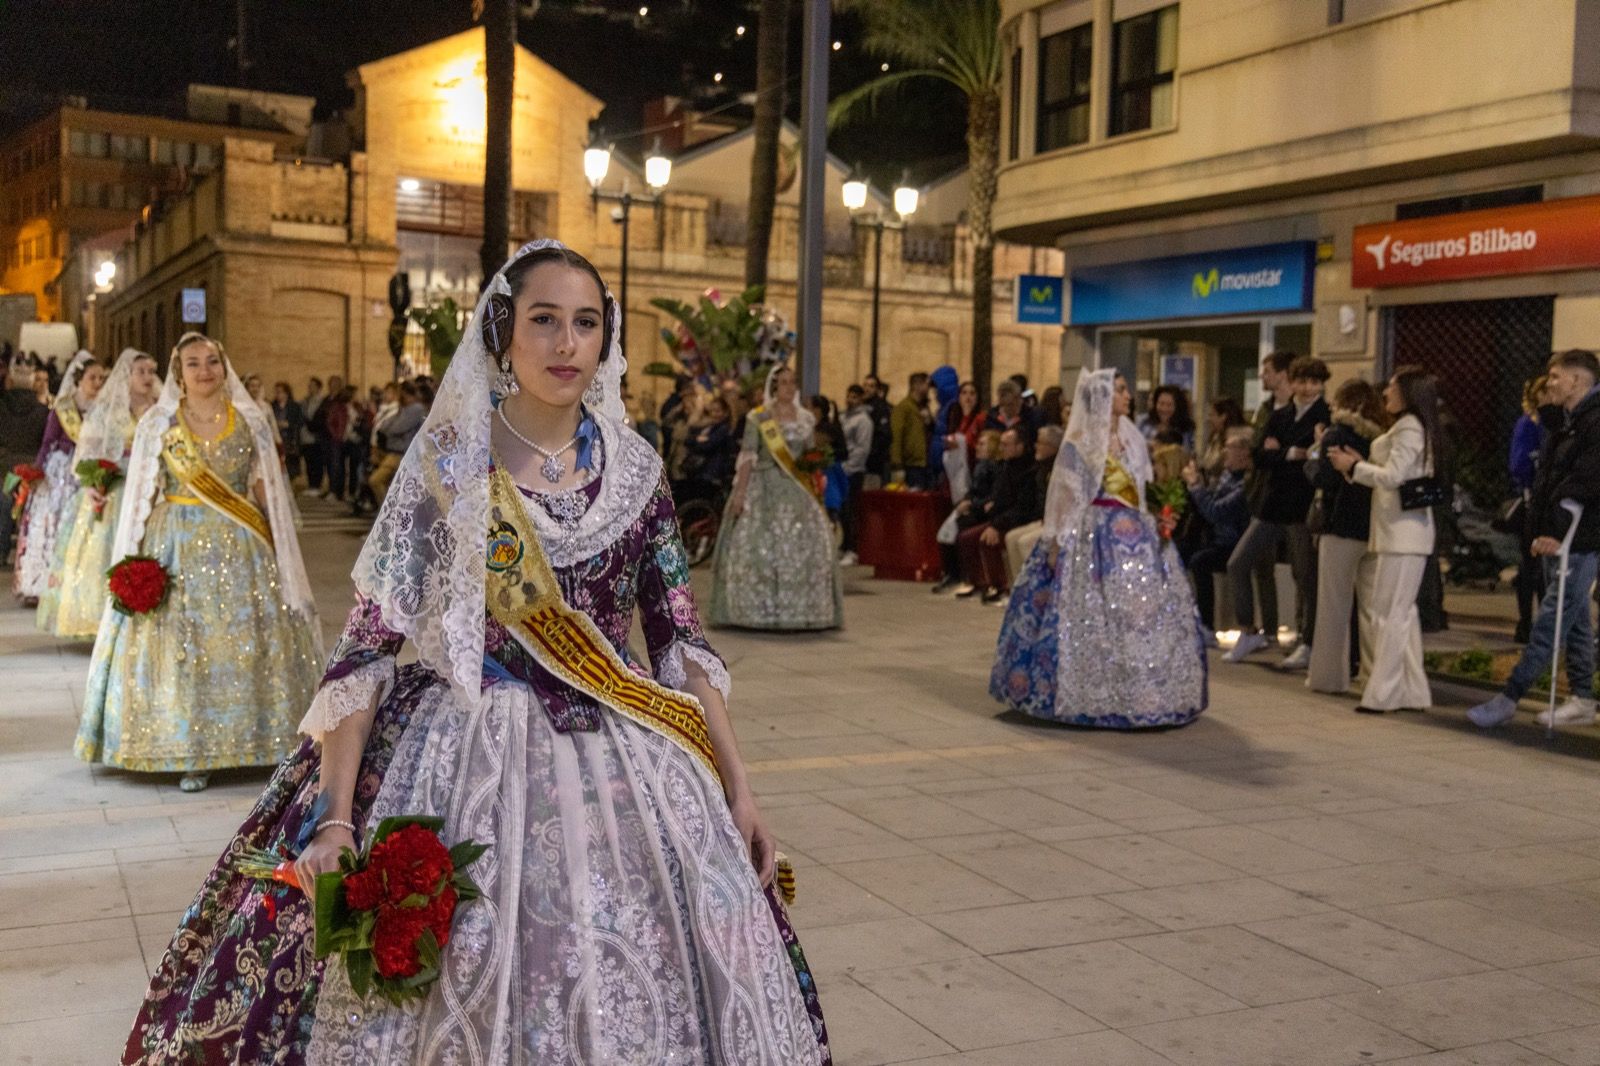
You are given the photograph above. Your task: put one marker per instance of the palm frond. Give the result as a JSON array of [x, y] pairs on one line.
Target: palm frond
[[957, 38], [863, 99]]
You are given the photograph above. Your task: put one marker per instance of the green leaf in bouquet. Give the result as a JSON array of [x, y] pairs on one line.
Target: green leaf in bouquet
[[466, 853], [428, 950], [466, 888], [332, 916], [416, 901], [359, 967]]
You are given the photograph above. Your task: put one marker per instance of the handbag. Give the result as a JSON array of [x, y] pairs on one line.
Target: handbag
[[1422, 493]]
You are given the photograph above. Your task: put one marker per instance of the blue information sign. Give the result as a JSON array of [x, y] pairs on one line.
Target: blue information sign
[[1039, 299], [1272, 277], [1178, 370]]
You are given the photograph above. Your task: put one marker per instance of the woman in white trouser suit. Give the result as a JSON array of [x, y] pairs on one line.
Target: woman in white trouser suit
[[1402, 540]]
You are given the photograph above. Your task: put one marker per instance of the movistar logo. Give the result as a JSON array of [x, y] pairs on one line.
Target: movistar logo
[[1207, 283], [1041, 294]]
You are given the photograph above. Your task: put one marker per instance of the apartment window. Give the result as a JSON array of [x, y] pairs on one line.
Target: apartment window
[[174, 153], [133, 149], [1014, 132], [1144, 55], [205, 156], [90, 144], [1064, 84]]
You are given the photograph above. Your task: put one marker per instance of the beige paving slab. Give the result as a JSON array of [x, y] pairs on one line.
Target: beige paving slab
[[93, 1039], [1115, 985], [51, 897], [1375, 953], [1475, 1009], [826, 898], [1499, 1053], [1249, 850], [1312, 1033], [46, 982], [1578, 977], [1569, 1047], [1494, 937], [1021, 809], [973, 1003], [1025, 926], [879, 945], [165, 884], [1378, 883], [1037, 871], [866, 1030], [924, 884], [918, 816], [1147, 860], [1216, 903], [1103, 1048], [1349, 840], [1250, 968]]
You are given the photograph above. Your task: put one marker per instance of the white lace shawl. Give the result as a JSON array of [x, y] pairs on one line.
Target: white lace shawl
[[1081, 463], [142, 482], [109, 424], [422, 564]]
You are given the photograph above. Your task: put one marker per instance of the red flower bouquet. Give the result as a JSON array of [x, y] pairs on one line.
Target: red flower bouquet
[[19, 484], [138, 585], [101, 475], [387, 911]]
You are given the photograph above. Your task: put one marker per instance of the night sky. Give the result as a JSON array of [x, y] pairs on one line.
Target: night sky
[[151, 49]]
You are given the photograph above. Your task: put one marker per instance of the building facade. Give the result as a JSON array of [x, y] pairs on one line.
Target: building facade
[[295, 254], [1353, 179], [82, 171]]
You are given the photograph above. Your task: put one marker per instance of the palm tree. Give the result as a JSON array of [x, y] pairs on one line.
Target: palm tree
[[499, 18], [956, 41], [772, 47]]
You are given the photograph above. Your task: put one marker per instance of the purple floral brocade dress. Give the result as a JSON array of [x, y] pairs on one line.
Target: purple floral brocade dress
[[621, 921]]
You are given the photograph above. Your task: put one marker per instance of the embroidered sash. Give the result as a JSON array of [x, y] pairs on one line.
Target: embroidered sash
[[181, 452], [70, 417], [772, 437], [522, 593]]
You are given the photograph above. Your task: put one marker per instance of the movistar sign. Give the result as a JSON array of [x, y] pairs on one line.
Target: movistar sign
[[1272, 277], [1040, 299]]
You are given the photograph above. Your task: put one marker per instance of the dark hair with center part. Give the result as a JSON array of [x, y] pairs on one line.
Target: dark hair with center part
[[519, 269]]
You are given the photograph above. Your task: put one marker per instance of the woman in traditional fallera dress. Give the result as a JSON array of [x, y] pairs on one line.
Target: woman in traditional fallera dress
[[1101, 628], [76, 596], [624, 918], [51, 503], [218, 675], [775, 566]]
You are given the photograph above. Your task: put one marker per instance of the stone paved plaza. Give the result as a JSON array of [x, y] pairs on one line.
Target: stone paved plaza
[[1284, 882]]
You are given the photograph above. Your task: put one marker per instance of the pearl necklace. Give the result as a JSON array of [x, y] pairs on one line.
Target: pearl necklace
[[553, 468]]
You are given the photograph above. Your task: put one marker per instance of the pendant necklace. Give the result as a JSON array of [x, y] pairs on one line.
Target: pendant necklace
[[553, 468]]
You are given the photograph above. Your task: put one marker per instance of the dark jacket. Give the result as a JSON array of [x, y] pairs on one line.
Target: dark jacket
[[1569, 469], [1346, 506], [1018, 493], [1286, 494], [1225, 509], [713, 450], [22, 419], [882, 436]]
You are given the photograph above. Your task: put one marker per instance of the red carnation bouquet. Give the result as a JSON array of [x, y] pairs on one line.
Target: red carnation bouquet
[[19, 484], [138, 585], [101, 475], [387, 911]]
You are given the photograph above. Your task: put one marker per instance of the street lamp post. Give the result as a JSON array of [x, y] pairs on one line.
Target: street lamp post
[[657, 172], [905, 205]]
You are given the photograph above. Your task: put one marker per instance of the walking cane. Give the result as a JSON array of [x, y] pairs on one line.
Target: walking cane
[[1563, 557]]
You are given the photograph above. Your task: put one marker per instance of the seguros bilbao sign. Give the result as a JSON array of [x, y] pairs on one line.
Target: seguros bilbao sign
[[1529, 238]]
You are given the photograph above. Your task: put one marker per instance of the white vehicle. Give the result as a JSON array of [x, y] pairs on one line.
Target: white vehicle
[[59, 339]]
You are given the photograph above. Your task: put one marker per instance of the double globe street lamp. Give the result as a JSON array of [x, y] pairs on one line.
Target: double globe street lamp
[[905, 205], [657, 172]]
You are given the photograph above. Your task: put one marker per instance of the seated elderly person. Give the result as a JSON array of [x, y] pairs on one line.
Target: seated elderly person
[[1020, 541]]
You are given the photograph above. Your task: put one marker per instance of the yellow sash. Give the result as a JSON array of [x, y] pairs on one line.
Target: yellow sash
[[772, 437], [70, 417], [181, 451], [523, 595]]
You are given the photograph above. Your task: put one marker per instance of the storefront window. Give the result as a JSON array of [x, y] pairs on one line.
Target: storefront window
[[1064, 84], [1143, 58]]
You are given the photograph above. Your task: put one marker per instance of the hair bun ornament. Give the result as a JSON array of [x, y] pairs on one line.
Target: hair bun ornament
[[497, 323]]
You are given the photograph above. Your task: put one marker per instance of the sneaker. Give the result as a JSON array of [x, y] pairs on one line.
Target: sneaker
[[1249, 644], [1299, 659], [1576, 711], [966, 591], [847, 559], [1497, 712], [993, 596]]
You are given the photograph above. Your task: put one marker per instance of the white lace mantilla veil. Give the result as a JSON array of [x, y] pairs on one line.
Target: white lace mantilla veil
[[109, 424], [69, 380], [142, 480], [1079, 469], [423, 563]]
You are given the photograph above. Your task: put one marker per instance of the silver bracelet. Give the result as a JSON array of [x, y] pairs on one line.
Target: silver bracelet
[[339, 822]]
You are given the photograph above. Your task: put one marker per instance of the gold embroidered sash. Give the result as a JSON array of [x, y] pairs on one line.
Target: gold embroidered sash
[[70, 417], [523, 595], [772, 437], [181, 452]]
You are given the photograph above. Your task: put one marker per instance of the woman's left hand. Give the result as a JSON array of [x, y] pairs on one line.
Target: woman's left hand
[[757, 838]]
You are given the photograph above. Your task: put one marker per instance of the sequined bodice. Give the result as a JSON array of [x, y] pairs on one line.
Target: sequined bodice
[[797, 435], [230, 457]]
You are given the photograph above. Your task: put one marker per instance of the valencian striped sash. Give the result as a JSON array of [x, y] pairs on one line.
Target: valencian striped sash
[[181, 452]]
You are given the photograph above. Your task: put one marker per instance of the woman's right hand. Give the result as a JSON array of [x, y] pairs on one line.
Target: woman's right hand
[[322, 856]]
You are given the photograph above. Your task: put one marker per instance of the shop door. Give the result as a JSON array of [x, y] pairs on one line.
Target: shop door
[[1481, 351]]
